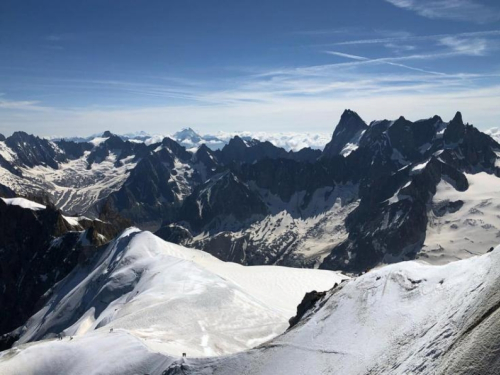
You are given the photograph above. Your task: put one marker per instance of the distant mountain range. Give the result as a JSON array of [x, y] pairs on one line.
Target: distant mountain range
[[378, 193], [192, 140]]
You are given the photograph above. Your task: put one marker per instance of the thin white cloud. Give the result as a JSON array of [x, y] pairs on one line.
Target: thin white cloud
[[24, 105], [466, 46], [462, 10], [389, 61], [284, 99], [349, 56], [399, 48], [417, 38], [479, 106]]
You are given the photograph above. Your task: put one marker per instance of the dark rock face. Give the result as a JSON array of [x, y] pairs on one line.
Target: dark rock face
[[152, 193], [285, 177], [390, 223], [247, 152], [219, 243], [74, 150], [174, 233], [446, 207], [223, 196], [239, 151], [6, 192], [307, 303], [306, 154], [139, 198], [396, 166], [117, 146], [33, 151], [207, 160], [37, 249], [349, 130]]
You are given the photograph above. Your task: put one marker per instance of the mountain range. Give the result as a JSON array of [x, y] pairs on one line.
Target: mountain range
[[374, 254], [192, 139], [377, 193]]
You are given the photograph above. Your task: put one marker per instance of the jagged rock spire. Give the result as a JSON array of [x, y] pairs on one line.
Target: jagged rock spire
[[349, 128]]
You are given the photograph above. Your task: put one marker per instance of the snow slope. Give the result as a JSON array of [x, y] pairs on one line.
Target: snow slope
[[406, 318], [24, 203], [472, 229], [174, 299], [73, 187]]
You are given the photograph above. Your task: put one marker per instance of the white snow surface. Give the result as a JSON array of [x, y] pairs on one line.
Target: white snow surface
[[73, 187], [405, 318], [170, 299], [24, 203], [473, 229], [400, 319], [353, 144]]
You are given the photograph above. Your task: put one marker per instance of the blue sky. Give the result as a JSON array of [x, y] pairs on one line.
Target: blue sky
[[80, 67]]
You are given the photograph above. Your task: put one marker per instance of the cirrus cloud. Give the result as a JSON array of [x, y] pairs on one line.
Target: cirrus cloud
[[461, 10]]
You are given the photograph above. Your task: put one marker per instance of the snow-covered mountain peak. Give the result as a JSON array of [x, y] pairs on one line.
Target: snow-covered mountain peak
[[174, 299], [188, 137]]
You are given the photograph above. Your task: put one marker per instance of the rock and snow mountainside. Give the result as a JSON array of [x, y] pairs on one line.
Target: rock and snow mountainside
[[399, 319], [38, 247], [172, 299], [374, 196], [346, 136], [377, 194]]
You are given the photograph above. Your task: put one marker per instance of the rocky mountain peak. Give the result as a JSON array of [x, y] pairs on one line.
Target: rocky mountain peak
[[32, 150], [237, 141], [187, 134], [348, 132], [107, 134], [458, 118], [455, 130]]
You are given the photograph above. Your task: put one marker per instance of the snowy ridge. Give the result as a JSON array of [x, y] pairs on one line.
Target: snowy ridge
[[24, 203], [399, 319], [174, 299]]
